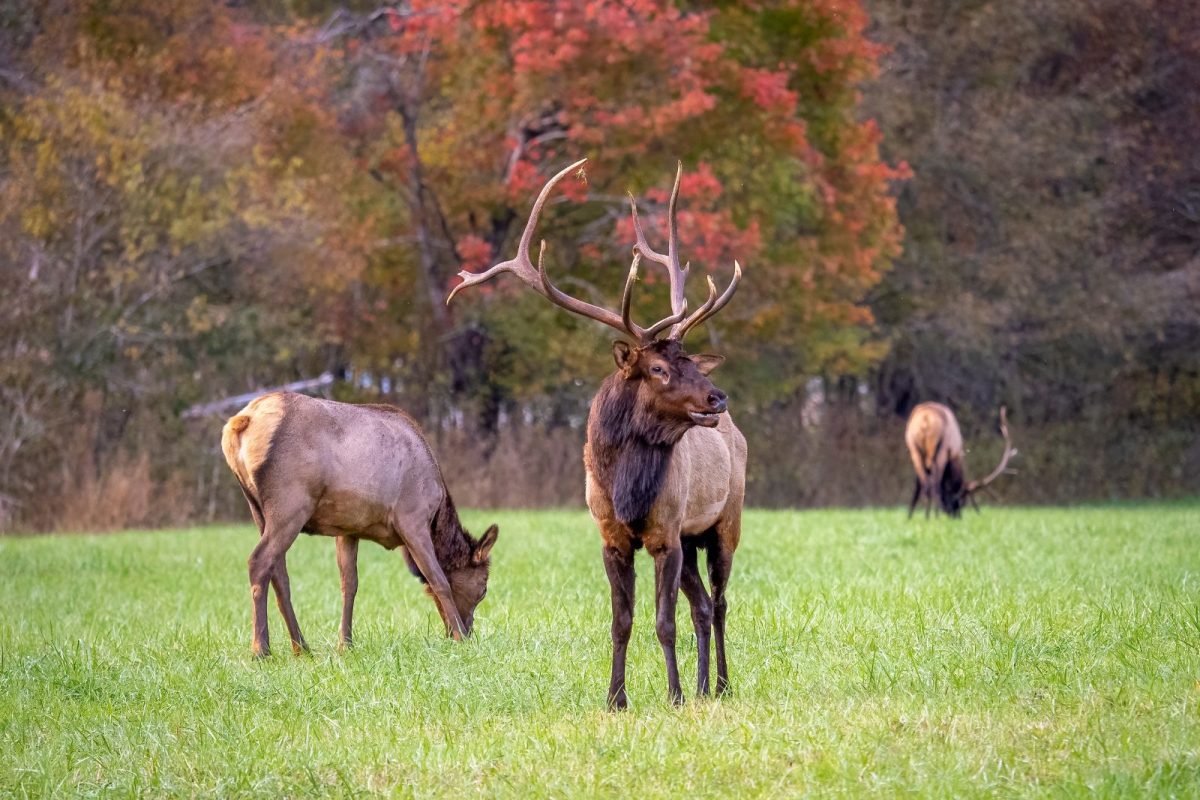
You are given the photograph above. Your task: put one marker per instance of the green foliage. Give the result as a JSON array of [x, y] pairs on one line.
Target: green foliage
[[1026, 652]]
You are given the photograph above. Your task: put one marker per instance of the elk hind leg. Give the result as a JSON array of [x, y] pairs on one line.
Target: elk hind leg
[[720, 564], [279, 531], [916, 497], [283, 598], [702, 613], [929, 489], [280, 582]]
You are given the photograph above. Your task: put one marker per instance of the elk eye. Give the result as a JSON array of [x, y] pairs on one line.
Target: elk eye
[[659, 371]]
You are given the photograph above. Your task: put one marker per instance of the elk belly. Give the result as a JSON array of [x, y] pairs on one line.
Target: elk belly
[[345, 512]]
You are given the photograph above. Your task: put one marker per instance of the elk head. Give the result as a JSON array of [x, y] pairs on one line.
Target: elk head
[[468, 578], [468, 584], [672, 385]]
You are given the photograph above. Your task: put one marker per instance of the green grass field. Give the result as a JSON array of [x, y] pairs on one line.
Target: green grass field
[[1024, 652]]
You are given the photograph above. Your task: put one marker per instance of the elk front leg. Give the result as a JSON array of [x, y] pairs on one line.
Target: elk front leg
[[618, 564], [347, 561], [668, 561], [421, 550], [702, 614]]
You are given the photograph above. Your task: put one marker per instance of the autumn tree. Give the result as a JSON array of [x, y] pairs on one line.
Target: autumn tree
[[201, 199], [465, 109], [164, 237]]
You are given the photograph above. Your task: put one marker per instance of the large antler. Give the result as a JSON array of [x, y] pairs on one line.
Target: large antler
[[537, 279], [520, 264], [624, 322], [1009, 452], [677, 274]]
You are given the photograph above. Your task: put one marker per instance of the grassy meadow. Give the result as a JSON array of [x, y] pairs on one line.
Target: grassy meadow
[[1024, 652]]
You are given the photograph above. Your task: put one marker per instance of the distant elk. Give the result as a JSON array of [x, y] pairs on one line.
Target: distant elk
[[666, 466], [352, 472], [935, 445]]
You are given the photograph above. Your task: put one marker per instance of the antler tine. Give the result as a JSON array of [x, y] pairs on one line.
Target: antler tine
[[682, 328], [666, 322], [1009, 452], [627, 295], [520, 264], [560, 298], [648, 334], [710, 310], [676, 274]]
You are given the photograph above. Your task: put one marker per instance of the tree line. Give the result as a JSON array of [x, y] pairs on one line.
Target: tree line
[[965, 202]]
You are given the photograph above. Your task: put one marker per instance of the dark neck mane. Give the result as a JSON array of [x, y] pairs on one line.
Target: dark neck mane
[[630, 449], [451, 542]]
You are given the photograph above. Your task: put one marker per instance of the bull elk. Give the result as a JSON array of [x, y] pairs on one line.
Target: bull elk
[[352, 472], [935, 445], [665, 464]]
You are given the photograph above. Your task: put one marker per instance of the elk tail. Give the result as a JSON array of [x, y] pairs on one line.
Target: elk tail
[[231, 442], [931, 461]]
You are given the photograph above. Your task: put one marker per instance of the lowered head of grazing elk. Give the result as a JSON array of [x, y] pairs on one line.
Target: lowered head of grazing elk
[[935, 445], [351, 472], [666, 466]]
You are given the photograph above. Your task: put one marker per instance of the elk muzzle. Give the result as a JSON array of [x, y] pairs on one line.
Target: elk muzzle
[[718, 403]]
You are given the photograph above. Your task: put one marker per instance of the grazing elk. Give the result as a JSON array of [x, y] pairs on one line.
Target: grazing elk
[[935, 445], [666, 466], [352, 472]]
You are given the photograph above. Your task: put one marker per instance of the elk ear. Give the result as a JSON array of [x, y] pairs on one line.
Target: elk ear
[[706, 363], [483, 547], [624, 355]]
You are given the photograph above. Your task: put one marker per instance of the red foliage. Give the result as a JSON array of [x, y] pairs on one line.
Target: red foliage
[[473, 252], [509, 90]]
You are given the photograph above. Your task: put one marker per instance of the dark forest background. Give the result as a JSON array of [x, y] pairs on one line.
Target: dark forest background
[[970, 201]]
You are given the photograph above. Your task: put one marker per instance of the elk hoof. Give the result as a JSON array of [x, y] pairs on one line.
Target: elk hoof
[[618, 701]]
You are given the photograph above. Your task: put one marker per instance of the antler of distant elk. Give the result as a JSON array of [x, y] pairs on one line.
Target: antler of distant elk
[[665, 464], [935, 445]]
